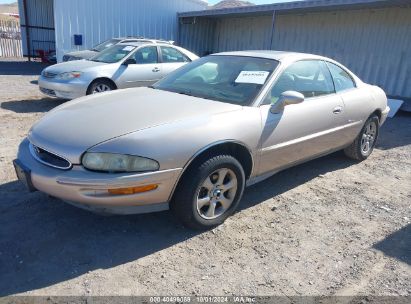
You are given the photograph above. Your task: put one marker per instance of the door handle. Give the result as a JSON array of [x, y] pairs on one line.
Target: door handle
[[156, 69], [337, 110]]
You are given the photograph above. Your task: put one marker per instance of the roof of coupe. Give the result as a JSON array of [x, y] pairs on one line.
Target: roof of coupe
[[269, 54]]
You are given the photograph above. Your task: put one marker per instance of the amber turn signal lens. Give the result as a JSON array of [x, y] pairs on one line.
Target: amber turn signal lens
[[132, 190]]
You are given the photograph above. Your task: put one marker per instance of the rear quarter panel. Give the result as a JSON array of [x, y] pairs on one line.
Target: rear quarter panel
[[360, 103]]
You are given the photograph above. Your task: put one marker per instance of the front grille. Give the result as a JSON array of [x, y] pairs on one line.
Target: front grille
[[49, 159], [49, 74], [70, 58], [48, 91]]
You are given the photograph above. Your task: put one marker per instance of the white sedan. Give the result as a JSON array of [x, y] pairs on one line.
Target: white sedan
[[125, 65]]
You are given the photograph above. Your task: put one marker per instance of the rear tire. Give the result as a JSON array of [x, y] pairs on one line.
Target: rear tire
[[209, 192], [100, 86], [362, 147]]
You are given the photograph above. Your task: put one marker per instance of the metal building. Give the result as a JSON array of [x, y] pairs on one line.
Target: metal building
[[371, 37], [51, 24]]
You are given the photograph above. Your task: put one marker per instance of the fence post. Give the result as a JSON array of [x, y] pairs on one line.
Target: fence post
[[26, 24]]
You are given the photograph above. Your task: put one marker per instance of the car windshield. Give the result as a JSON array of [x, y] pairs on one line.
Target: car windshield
[[231, 79], [113, 54], [106, 44]]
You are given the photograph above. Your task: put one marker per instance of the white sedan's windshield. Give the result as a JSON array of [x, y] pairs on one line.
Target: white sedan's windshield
[[232, 79], [113, 54], [106, 44]]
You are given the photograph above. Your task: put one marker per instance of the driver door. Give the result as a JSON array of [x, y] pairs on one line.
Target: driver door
[[146, 71], [305, 130]]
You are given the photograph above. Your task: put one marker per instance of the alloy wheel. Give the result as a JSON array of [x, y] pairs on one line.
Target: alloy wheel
[[216, 194], [101, 88], [368, 138]]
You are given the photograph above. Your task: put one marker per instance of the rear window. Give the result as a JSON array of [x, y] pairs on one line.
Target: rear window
[[342, 80]]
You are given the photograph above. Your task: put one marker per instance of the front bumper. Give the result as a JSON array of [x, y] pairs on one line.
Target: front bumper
[[63, 88], [384, 115], [88, 190]]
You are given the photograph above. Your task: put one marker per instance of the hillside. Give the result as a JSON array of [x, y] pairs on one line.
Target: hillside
[[8, 8], [231, 4]]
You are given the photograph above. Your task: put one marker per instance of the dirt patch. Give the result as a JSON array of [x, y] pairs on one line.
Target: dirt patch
[[327, 227]]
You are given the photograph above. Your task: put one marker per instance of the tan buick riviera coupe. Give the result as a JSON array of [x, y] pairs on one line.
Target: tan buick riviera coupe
[[195, 139]]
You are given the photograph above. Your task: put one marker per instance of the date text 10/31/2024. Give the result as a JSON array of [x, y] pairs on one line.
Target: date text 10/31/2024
[[203, 299]]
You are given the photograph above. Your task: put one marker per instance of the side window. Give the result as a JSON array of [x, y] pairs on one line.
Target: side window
[[342, 80], [170, 55], [309, 77], [146, 55]]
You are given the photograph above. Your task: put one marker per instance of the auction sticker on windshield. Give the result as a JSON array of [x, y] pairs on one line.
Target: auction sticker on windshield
[[128, 48], [257, 77]]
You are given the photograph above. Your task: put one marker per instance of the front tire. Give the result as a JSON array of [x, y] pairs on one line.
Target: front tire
[[209, 192], [364, 144], [100, 86]]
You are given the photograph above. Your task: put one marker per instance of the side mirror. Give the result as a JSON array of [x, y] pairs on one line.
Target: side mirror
[[129, 61], [286, 98], [291, 97]]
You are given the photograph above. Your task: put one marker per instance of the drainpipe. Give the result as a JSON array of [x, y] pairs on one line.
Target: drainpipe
[[272, 31], [26, 21]]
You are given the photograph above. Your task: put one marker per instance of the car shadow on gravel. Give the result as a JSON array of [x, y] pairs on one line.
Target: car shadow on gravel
[[397, 245], [44, 241], [21, 68], [293, 177], [395, 132], [32, 105]]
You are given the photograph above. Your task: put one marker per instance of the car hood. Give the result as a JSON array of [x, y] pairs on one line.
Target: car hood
[[73, 66], [74, 127], [86, 54]]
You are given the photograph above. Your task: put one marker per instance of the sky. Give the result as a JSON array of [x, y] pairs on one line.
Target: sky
[[209, 1], [253, 1]]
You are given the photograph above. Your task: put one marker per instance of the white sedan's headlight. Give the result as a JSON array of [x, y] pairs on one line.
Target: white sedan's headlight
[[69, 75], [112, 162]]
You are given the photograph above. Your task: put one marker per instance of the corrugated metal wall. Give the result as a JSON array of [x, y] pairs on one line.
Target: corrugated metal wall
[[41, 25], [199, 36], [243, 33], [99, 20], [373, 43]]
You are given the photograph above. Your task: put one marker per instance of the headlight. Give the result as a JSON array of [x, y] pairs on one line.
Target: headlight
[[69, 75], [112, 162]]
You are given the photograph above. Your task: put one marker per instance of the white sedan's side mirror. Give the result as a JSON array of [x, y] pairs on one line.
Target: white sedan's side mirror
[[130, 61]]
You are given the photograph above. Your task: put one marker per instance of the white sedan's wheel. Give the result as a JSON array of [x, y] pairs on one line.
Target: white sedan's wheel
[[100, 86]]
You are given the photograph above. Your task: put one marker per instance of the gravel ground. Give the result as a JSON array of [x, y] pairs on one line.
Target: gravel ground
[[327, 227]]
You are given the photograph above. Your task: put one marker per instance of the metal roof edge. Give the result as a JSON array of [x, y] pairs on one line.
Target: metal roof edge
[[295, 5]]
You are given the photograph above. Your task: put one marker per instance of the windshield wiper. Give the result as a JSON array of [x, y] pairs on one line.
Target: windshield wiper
[[183, 93], [188, 92]]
